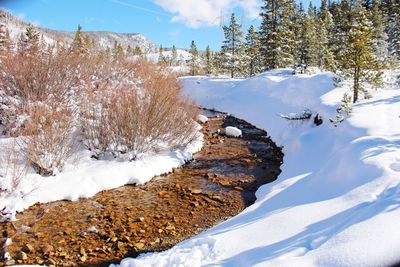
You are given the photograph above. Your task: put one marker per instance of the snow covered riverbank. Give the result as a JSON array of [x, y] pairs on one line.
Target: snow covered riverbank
[[84, 176], [337, 200]]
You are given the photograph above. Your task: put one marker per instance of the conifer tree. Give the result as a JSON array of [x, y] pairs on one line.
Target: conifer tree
[[323, 28], [392, 13], [78, 45], [208, 61], [379, 34], [30, 40], [137, 51], [174, 56], [277, 37], [252, 52], [5, 42], [118, 51], [232, 47], [194, 64], [360, 61], [129, 51]]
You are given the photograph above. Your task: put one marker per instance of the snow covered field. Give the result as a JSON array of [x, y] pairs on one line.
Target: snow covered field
[[84, 176], [337, 201]]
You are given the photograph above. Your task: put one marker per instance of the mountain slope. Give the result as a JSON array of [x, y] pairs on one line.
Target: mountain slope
[[103, 38]]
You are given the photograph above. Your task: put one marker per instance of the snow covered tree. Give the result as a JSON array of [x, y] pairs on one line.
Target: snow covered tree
[[379, 34], [392, 14], [208, 61], [194, 58], [129, 51], [5, 42], [232, 48], [277, 37], [306, 39], [174, 56], [29, 40], [323, 27], [161, 57], [342, 19], [252, 46], [360, 61]]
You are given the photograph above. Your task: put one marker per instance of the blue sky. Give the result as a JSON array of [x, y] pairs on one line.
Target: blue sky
[[165, 22]]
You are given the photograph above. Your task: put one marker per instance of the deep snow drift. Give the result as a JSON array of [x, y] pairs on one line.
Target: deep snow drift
[[337, 200]]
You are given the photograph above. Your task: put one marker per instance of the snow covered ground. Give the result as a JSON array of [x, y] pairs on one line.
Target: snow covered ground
[[82, 175], [337, 201]]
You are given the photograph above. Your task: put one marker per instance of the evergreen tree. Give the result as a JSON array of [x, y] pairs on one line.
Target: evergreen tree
[[194, 59], [277, 35], [392, 13], [30, 40], [360, 61], [118, 51], [323, 28], [161, 57], [129, 51], [137, 51], [232, 47], [78, 45], [252, 52], [5, 42], [379, 34], [174, 56], [208, 61]]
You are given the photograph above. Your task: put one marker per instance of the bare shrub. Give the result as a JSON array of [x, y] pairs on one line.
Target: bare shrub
[[13, 168], [134, 118], [47, 137]]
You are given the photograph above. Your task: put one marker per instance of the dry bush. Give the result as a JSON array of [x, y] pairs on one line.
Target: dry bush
[[47, 137], [134, 118], [13, 168]]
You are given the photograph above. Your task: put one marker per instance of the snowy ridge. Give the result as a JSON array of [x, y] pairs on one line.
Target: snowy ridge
[[337, 201], [102, 38]]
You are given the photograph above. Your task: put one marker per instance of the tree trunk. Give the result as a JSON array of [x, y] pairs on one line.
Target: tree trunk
[[356, 84]]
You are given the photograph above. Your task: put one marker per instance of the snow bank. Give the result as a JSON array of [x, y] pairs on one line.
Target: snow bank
[[84, 176], [233, 131], [337, 201]]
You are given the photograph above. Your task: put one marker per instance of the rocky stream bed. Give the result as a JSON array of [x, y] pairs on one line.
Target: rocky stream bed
[[217, 184]]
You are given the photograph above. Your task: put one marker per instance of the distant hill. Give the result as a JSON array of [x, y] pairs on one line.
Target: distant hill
[[102, 38]]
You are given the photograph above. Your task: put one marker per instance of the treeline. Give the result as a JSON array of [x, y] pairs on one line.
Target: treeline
[[353, 38]]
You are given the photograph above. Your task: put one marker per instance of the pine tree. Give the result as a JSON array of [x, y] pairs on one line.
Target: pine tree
[[252, 52], [174, 56], [137, 51], [360, 61], [277, 35], [208, 61], [29, 41], [392, 14], [161, 57], [129, 51], [5, 42], [379, 34], [78, 45], [323, 27], [232, 48], [118, 51], [194, 64], [342, 20]]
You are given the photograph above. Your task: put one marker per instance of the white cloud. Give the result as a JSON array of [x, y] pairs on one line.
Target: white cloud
[[203, 13]]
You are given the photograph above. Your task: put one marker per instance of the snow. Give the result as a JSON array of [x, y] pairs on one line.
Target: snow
[[202, 118], [233, 131], [337, 200], [84, 176]]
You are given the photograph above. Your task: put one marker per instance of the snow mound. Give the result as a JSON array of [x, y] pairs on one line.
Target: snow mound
[[338, 195], [233, 131], [202, 118]]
